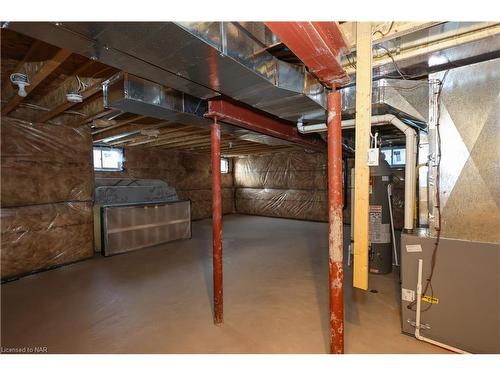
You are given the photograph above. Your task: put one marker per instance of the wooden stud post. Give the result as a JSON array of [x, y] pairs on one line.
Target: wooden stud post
[[362, 172]]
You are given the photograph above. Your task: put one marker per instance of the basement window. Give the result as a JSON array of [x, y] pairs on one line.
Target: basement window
[[224, 165], [108, 159], [398, 156], [395, 156]]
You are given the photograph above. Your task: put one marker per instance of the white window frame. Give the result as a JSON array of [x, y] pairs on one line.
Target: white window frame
[[107, 148], [228, 165], [392, 149]]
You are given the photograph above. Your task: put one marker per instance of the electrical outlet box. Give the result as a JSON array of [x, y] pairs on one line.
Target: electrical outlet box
[[373, 155], [407, 295]]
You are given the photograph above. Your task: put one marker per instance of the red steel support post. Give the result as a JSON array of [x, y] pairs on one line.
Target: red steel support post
[[216, 221], [335, 229]]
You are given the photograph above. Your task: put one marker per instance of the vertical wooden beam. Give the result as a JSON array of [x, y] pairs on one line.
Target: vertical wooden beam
[[362, 172], [216, 221], [335, 225]]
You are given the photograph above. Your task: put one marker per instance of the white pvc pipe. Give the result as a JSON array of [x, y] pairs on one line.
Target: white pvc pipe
[[435, 46], [410, 168], [411, 155], [417, 319], [304, 129]]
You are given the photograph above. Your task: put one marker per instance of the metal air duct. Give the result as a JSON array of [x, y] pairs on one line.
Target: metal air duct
[[132, 94], [203, 59]]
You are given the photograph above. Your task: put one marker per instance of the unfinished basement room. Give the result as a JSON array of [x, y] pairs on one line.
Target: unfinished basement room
[[250, 187]]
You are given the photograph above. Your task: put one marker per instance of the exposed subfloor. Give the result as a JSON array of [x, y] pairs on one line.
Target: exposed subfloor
[[159, 300]]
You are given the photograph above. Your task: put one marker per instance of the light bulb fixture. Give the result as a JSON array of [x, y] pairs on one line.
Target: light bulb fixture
[[21, 80], [150, 132], [74, 97]]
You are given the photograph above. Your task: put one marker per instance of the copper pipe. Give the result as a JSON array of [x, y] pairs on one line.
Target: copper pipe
[[216, 221], [335, 226]]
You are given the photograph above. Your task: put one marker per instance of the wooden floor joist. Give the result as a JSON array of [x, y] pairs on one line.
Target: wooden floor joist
[[47, 68], [67, 105], [165, 134], [118, 124], [95, 116], [182, 139], [20, 65], [60, 90], [129, 132]]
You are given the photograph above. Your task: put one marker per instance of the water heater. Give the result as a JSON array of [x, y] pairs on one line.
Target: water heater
[[380, 254]]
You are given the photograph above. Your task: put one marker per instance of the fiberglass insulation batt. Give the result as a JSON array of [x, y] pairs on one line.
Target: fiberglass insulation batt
[[46, 196]]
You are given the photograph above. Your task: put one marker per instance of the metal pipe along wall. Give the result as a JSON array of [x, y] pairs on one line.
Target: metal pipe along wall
[[335, 229], [216, 221]]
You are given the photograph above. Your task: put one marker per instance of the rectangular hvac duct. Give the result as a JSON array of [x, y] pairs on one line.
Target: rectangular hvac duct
[[136, 226], [132, 94], [440, 47], [408, 100], [203, 59], [461, 306]]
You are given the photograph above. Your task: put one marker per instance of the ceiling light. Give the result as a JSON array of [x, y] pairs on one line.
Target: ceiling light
[[74, 97], [21, 80]]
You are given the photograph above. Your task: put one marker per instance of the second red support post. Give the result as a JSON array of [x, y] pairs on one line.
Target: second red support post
[[216, 221], [335, 229]]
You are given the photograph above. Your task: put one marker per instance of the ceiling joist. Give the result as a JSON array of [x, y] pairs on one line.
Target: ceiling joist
[[118, 124], [67, 105], [166, 132], [20, 66], [95, 116], [48, 67], [384, 31], [126, 131], [191, 135], [109, 126]]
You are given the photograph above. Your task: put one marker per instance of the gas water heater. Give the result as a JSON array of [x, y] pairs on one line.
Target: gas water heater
[[380, 254]]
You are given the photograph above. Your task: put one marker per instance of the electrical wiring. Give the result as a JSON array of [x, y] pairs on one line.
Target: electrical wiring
[[428, 283], [350, 62], [414, 87], [82, 86], [44, 109], [387, 32], [398, 70], [394, 62], [437, 184]]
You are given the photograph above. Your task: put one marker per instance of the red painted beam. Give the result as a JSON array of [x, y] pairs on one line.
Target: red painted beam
[[335, 228], [260, 122], [216, 221], [319, 45]]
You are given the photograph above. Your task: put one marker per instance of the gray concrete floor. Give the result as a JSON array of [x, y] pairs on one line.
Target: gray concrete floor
[[159, 300]]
